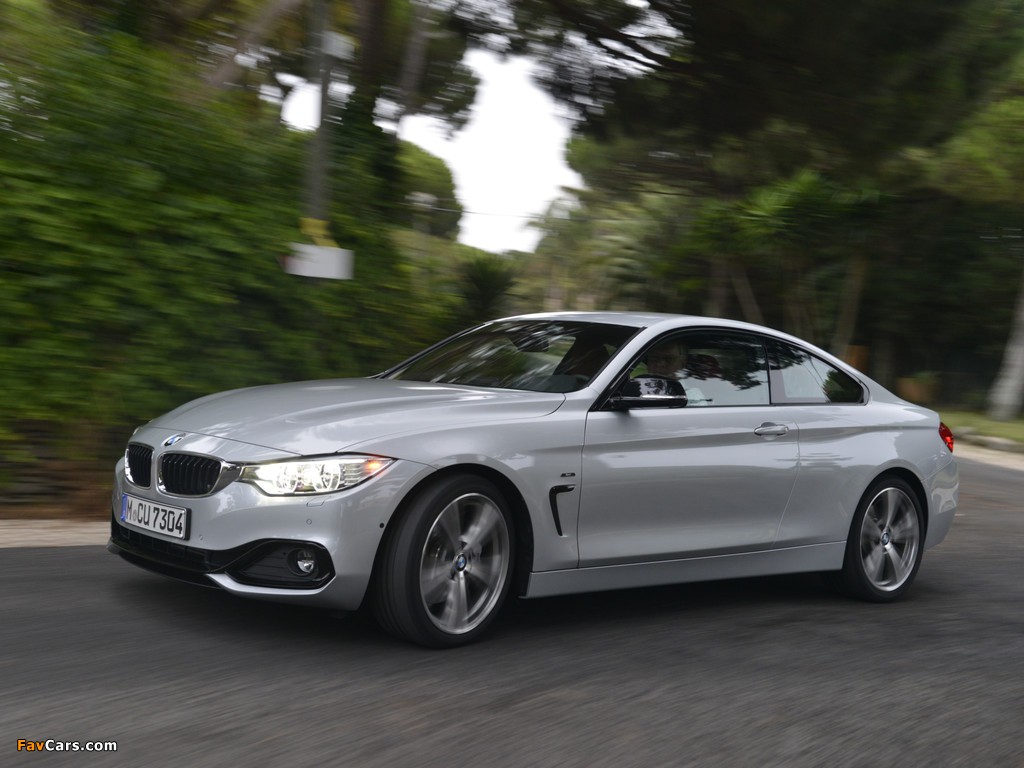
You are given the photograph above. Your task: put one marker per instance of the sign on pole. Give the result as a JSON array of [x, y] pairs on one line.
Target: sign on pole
[[319, 261]]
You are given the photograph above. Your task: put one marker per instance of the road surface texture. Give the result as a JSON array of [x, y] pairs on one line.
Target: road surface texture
[[758, 672]]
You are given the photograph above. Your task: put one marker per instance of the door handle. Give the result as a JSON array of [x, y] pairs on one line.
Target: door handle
[[771, 430]]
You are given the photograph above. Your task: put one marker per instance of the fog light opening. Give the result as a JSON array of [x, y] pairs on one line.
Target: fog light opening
[[303, 562]]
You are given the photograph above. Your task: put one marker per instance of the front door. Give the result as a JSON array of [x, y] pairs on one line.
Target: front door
[[711, 478]]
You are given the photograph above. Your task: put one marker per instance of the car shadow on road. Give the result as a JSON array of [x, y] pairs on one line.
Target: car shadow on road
[[208, 610]]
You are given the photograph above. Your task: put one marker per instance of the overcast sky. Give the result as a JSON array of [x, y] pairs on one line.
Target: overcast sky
[[508, 162]]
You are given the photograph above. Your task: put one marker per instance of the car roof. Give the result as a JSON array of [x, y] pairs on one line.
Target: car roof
[[642, 319], [633, 319]]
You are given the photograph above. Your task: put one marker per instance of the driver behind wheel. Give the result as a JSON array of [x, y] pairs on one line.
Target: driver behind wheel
[[665, 360], [663, 363], [666, 364]]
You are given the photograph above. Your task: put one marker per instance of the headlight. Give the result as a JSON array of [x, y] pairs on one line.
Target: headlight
[[301, 477]]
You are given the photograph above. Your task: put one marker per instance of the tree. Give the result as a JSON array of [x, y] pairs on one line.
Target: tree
[[866, 78], [1007, 394], [429, 177], [985, 163], [141, 227], [733, 103], [484, 281]]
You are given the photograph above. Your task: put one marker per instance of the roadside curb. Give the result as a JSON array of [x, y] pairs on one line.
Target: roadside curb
[[990, 451], [969, 436], [52, 533]]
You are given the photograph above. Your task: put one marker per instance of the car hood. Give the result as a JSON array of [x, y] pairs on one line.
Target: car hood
[[314, 417]]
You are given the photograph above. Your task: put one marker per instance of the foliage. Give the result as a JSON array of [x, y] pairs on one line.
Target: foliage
[[985, 164], [141, 227], [850, 173], [599, 252], [428, 191], [271, 38], [829, 164], [970, 422], [484, 281], [865, 78], [365, 171]]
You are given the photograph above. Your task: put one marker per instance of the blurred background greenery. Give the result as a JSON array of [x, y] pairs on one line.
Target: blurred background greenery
[[851, 173]]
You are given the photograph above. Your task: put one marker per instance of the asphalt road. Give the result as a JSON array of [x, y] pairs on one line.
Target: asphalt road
[[764, 672]]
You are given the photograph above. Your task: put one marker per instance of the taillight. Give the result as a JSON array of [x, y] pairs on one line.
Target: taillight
[[947, 436]]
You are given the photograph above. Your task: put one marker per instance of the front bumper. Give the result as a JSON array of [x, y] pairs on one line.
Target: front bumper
[[248, 543], [266, 563]]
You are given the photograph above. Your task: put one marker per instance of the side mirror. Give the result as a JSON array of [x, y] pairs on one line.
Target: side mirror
[[620, 403], [649, 392]]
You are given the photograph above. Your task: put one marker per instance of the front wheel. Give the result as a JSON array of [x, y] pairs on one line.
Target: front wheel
[[886, 542], [446, 568]]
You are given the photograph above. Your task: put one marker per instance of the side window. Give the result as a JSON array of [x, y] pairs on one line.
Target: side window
[[714, 368], [800, 377]]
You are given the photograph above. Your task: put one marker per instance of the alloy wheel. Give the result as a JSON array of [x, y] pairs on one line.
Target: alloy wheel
[[890, 538], [464, 564]]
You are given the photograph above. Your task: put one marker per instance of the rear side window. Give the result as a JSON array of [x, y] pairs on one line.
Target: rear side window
[[798, 376]]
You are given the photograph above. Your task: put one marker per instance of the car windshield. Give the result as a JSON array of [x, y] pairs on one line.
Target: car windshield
[[535, 355]]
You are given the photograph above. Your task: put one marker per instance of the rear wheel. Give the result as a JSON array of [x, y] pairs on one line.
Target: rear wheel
[[446, 568], [886, 542]]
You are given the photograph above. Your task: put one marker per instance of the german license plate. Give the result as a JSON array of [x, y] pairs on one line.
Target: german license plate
[[149, 516]]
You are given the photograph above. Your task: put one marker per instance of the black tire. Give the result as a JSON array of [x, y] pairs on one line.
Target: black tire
[[885, 545], [446, 567]]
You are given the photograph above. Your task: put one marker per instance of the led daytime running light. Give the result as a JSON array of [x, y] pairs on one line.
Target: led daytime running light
[[305, 477]]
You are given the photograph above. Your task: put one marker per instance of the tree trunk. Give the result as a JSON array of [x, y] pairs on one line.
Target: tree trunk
[[883, 369], [372, 52], [719, 289], [1007, 394], [415, 61], [745, 295], [853, 287], [253, 34]]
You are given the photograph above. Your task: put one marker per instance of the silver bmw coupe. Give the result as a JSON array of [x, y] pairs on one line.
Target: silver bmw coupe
[[542, 455]]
